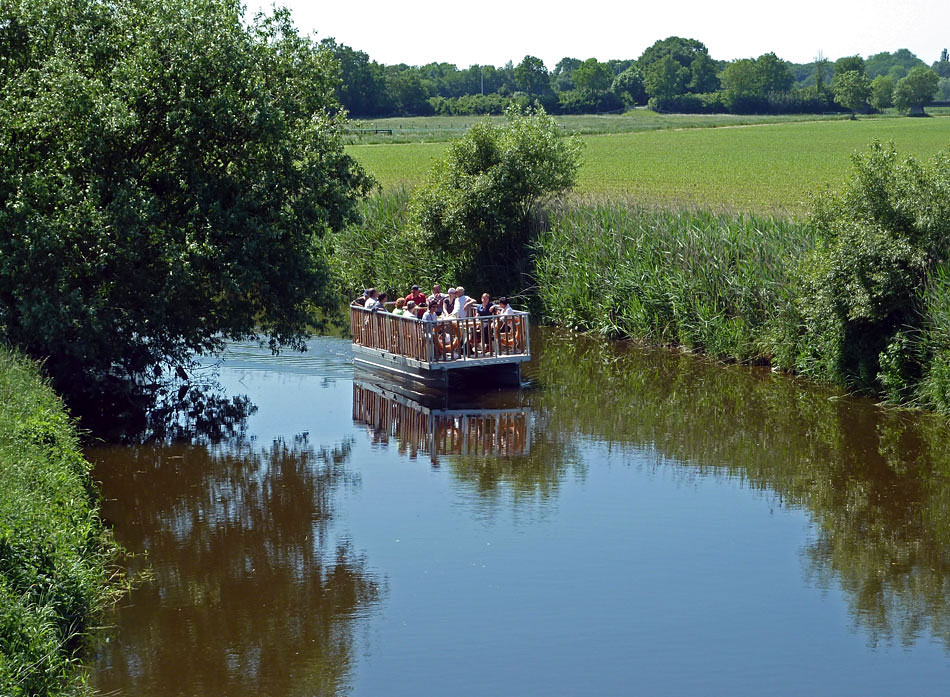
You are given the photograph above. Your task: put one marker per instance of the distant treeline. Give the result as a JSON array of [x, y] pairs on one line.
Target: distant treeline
[[674, 74]]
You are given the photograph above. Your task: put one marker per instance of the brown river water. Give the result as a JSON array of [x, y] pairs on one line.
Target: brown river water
[[629, 522]]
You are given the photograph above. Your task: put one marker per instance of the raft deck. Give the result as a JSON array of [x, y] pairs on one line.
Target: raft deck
[[433, 352]]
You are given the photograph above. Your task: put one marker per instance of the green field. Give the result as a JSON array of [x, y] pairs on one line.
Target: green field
[[771, 167]]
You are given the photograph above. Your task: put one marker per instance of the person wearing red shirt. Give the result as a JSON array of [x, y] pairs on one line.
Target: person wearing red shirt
[[418, 297]]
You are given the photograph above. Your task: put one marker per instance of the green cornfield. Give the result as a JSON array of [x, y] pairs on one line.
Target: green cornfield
[[768, 168]]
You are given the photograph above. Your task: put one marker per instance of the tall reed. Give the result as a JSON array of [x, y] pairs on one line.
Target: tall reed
[[721, 283], [383, 251]]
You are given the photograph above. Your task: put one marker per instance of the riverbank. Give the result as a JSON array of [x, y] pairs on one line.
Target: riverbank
[[856, 294], [54, 551]]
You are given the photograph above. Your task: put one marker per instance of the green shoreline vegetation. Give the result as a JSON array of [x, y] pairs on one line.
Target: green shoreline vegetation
[[55, 553], [853, 289], [175, 177]]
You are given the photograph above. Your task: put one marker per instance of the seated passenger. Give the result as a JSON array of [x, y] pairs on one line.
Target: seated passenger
[[448, 305], [400, 309], [431, 315], [416, 296], [438, 296], [372, 299], [484, 310], [463, 304]]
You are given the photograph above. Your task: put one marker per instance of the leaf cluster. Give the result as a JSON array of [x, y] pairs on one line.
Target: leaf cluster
[[166, 172], [476, 203], [879, 241]]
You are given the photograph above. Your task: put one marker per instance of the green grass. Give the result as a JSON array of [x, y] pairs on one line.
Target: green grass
[[768, 168], [54, 551]]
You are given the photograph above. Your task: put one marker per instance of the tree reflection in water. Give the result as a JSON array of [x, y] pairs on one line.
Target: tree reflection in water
[[876, 482], [250, 593], [173, 410]]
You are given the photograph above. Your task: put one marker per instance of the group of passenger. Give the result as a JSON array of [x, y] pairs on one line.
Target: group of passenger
[[455, 304]]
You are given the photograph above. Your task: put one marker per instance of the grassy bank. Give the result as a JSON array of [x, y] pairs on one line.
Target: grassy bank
[[54, 552]]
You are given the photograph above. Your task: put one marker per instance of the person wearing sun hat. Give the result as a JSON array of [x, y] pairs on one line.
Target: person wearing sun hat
[[448, 305]]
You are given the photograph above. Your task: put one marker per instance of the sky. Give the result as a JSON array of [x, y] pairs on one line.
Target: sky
[[492, 32]]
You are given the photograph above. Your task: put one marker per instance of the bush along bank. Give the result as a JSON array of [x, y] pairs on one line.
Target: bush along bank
[[54, 552], [858, 295]]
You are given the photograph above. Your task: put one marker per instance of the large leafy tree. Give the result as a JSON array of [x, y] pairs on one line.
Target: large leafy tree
[[628, 85], [741, 85], [882, 92], [852, 90], [660, 65], [915, 90], [746, 83], [774, 74], [362, 87], [849, 64], [166, 173], [532, 76], [683, 51], [665, 79], [593, 76], [561, 80], [896, 64]]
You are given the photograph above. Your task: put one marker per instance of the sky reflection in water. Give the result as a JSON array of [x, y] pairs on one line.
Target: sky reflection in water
[[665, 527]]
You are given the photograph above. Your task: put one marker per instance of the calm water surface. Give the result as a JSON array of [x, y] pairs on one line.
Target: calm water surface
[[631, 523]]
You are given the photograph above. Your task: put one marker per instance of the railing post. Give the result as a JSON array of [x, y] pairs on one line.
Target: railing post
[[527, 334]]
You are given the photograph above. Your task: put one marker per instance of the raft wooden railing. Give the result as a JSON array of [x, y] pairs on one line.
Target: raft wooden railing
[[469, 339]]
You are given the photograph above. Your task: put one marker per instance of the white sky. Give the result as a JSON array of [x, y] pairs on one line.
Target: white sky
[[492, 32]]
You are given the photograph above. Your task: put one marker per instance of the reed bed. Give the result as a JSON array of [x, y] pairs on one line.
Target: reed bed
[[720, 283], [54, 551]]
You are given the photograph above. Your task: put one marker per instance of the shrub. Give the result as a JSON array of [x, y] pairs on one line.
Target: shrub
[[863, 307], [475, 206]]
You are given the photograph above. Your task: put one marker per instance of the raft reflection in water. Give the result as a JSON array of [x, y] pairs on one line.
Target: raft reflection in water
[[439, 431]]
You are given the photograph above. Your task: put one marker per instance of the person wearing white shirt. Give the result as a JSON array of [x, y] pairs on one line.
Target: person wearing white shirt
[[464, 305], [372, 302]]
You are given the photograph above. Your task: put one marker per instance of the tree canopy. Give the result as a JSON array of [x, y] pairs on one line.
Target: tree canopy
[[532, 76], [882, 92], [166, 172], [476, 202], [593, 76], [852, 90], [915, 90]]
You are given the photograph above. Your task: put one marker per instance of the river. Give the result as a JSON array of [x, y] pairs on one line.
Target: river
[[631, 522]]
